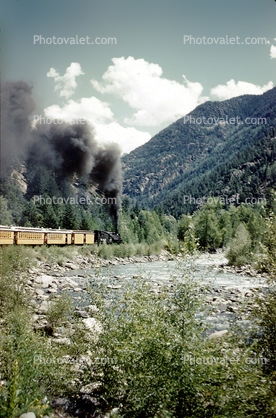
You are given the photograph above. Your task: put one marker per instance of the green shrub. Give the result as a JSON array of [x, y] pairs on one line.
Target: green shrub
[[15, 261], [267, 260], [146, 336], [145, 349], [59, 311], [24, 386], [55, 253], [265, 311], [239, 251]]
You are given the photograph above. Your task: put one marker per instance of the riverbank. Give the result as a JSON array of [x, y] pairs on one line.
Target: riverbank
[[86, 260], [47, 281], [76, 273], [223, 304]]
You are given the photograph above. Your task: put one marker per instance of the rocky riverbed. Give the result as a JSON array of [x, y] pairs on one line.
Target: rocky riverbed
[[49, 280], [229, 290]]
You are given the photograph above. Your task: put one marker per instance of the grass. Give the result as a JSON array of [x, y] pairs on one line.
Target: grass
[[122, 250], [55, 253]]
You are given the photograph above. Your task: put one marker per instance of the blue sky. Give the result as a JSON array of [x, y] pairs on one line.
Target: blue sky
[[131, 89]]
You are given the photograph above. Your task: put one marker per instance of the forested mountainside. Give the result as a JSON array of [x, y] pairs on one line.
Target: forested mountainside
[[249, 177], [189, 151]]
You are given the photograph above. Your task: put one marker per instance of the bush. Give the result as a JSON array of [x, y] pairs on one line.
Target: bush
[[144, 341], [267, 262], [239, 251], [141, 360], [15, 260], [146, 347], [24, 386], [55, 253], [25, 381], [265, 312], [107, 251], [59, 311]]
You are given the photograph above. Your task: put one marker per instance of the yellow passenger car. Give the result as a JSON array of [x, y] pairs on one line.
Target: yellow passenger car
[[29, 237], [89, 237], [55, 238], [6, 236], [78, 238]]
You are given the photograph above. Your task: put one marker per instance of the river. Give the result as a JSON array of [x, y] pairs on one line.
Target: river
[[226, 290]]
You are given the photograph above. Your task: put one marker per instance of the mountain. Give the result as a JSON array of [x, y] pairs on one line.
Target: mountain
[[211, 136], [248, 178]]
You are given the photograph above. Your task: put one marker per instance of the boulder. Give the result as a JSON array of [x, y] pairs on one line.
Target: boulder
[[43, 308], [28, 415], [93, 325], [71, 266], [92, 309], [43, 281], [218, 334]]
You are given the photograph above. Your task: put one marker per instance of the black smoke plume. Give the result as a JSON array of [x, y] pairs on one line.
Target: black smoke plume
[[66, 149], [17, 106]]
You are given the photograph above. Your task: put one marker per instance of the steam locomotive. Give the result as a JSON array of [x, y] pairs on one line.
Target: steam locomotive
[[40, 236]]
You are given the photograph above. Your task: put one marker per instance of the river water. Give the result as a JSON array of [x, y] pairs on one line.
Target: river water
[[226, 290]]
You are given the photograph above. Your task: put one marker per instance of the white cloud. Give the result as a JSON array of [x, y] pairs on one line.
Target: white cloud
[[100, 116], [273, 51], [233, 89], [89, 108], [155, 99], [66, 83], [127, 138], [141, 85]]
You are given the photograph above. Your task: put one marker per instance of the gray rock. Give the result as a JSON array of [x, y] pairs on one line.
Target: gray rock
[[231, 309], [33, 303], [110, 286], [93, 325], [114, 411], [72, 283], [60, 402], [41, 323], [92, 309], [43, 308], [35, 318], [89, 388], [33, 270], [63, 341], [43, 281], [218, 334], [64, 286], [43, 297], [51, 290], [28, 415], [39, 292], [53, 284], [83, 314], [71, 266]]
